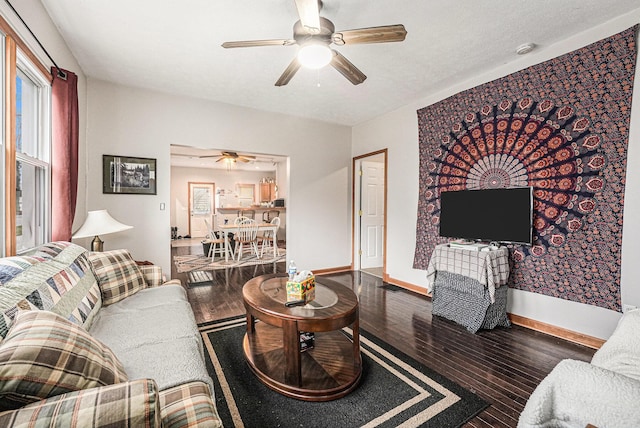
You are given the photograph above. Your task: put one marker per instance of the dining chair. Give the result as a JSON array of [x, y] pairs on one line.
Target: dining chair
[[268, 215], [216, 244], [266, 241], [247, 235], [240, 219], [247, 213]]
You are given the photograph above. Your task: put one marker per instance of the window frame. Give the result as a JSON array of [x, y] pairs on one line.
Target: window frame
[[3, 140], [41, 160], [12, 47]]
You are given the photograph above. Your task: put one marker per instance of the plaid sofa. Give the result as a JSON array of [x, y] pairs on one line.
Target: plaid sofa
[[93, 339]]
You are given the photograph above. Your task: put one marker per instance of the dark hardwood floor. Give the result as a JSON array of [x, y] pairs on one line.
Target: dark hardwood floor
[[503, 366]]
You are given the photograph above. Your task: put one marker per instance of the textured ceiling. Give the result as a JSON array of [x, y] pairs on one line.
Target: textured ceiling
[[174, 46]]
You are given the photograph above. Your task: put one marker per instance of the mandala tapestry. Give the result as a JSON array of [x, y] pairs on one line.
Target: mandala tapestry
[[561, 127]]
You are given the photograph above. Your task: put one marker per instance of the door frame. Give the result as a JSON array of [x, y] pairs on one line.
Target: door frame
[[213, 200], [356, 192]]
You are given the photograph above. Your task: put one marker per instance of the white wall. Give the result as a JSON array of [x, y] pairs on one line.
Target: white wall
[[36, 17], [398, 131], [135, 122], [282, 180]]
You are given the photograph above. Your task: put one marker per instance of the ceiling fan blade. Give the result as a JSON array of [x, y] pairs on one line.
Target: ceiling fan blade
[[384, 34], [309, 12], [347, 69], [256, 43], [243, 159], [221, 159], [290, 71]]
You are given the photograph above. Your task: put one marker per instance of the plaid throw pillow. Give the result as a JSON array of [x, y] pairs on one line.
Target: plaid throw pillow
[[152, 275], [45, 355], [117, 274], [128, 404], [189, 405]]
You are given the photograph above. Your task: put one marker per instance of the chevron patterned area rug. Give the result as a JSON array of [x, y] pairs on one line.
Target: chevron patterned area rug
[[194, 262], [395, 390]]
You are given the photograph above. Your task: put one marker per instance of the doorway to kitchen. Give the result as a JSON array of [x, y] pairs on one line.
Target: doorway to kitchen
[[201, 208], [218, 185], [369, 212]]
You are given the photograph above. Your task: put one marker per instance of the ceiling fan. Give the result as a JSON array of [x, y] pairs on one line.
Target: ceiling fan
[[314, 34], [231, 157], [223, 156]]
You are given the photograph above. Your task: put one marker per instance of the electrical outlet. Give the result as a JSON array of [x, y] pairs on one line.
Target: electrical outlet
[[627, 308]]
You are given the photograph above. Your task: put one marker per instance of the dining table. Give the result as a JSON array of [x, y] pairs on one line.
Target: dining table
[[225, 229]]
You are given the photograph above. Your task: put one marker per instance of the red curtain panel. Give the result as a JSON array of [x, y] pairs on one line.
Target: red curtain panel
[[64, 152]]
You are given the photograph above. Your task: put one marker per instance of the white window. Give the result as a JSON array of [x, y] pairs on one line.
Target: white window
[[32, 142]]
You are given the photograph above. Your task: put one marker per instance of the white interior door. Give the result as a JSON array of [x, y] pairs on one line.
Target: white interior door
[[201, 199], [372, 217]]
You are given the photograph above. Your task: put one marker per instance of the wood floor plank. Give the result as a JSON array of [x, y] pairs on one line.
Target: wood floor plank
[[503, 366]]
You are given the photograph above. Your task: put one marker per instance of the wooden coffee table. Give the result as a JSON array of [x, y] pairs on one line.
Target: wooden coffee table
[[328, 371]]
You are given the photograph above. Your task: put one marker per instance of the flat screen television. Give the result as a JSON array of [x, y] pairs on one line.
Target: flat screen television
[[500, 215]]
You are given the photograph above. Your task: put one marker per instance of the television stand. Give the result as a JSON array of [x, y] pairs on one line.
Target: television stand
[[468, 285]]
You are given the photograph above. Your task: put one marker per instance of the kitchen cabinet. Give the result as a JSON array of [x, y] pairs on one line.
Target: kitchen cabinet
[[267, 192]]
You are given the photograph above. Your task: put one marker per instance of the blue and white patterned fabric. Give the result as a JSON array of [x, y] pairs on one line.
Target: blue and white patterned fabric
[[65, 284]]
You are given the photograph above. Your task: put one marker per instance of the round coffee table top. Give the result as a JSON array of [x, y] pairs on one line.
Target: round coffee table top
[[268, 294]]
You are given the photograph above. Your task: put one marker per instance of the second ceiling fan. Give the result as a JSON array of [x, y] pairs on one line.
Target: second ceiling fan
[[314, 34], [230, 157]]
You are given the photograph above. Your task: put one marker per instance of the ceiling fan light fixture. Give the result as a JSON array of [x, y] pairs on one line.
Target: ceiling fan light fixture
[[230, 163], [314, 55]]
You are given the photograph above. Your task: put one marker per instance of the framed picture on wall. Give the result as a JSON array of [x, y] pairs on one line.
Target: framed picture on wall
[[128, 175]]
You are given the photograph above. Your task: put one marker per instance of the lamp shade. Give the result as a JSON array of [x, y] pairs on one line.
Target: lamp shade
[[99, 223]]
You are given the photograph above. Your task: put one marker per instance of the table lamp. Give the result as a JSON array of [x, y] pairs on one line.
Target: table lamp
[[99, 223]]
